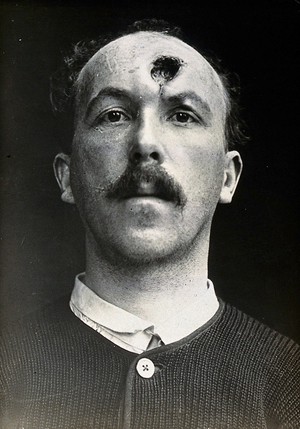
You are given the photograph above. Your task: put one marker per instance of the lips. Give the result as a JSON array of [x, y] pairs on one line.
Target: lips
[[146, 189]]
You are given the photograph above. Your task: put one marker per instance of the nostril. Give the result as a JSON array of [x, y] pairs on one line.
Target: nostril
[[137, 156], [155, 156]]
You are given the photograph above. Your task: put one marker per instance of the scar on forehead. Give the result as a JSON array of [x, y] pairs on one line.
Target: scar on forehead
[[165, 69]]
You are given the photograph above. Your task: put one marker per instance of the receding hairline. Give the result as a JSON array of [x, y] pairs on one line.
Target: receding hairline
[[158, 35]]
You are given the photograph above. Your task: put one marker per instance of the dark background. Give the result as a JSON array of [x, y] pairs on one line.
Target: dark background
[[254, 260]]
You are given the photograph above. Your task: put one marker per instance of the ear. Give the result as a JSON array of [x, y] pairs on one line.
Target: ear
[[232, 173], [61, 167]]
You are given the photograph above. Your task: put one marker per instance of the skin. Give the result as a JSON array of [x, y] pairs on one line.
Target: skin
[[144, 249]]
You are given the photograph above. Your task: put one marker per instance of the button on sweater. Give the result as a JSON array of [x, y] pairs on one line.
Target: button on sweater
[[232, 373]]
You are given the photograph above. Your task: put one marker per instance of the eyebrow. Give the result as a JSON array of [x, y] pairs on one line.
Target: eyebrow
[[107, 92], [183, 97]]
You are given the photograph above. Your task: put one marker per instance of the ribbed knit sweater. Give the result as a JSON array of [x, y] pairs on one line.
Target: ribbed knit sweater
[[232, 373]]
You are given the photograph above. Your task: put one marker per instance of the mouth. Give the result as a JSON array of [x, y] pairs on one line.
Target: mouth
[[147, 191]]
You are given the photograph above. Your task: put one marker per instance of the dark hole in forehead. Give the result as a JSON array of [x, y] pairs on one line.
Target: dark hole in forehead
[[165, 69]]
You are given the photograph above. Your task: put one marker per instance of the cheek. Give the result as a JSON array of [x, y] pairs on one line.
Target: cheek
[[98, 158], [206, 184], [200, 165]]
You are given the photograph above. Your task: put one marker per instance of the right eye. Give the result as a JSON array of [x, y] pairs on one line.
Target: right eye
[[112, 116]]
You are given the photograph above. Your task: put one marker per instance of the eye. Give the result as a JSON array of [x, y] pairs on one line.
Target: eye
[[183, 118], [112, 116]]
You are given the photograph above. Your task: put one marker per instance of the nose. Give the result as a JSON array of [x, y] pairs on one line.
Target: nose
[[147, 146]]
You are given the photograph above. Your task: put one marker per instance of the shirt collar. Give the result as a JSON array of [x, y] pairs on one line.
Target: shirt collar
[[133, 330], [103, 312]]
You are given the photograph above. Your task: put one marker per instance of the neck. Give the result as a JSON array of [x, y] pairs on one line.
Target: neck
[[152, 291]]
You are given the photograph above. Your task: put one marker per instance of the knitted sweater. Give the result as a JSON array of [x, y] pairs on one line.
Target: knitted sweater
[[232, 373]]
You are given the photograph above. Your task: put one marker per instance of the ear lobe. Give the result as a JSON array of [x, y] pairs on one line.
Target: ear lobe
[[61, 166], [232, 173]]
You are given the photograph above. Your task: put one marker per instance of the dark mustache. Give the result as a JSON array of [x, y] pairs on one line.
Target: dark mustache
[[128, 185]]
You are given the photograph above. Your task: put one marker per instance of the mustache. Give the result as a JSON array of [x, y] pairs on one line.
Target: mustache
[[163, 185]]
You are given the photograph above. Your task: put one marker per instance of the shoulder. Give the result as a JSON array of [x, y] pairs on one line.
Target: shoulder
[[51, 318], [269, 358], [255, 334], [249, 349], [37, 339]]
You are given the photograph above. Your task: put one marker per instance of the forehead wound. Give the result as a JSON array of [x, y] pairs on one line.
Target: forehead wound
[[165, 68]]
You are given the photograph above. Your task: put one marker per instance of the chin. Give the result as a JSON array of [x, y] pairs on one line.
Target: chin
[[142, 257], [147, 248]]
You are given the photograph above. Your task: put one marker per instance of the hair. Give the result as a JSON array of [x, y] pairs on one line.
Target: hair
[[63, 83]]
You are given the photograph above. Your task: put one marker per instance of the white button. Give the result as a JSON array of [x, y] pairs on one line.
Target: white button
[[145, 368]]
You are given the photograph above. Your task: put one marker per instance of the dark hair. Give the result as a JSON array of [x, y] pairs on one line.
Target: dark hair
[[63, 82]]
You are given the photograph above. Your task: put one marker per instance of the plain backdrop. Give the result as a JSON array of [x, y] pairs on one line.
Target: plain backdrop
[[254, 260]]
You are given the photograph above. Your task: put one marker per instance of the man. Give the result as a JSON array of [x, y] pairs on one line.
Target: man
[[146, 343]]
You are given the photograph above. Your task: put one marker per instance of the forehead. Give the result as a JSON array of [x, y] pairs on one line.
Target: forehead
[[131, 58]]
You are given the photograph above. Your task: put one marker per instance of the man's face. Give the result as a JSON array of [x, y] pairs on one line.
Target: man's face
[[151, 106]]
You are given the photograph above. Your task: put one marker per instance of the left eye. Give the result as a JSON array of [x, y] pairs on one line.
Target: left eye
[[182, 117]]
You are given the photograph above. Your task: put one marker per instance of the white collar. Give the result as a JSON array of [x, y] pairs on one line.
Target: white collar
[[132, 332]]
